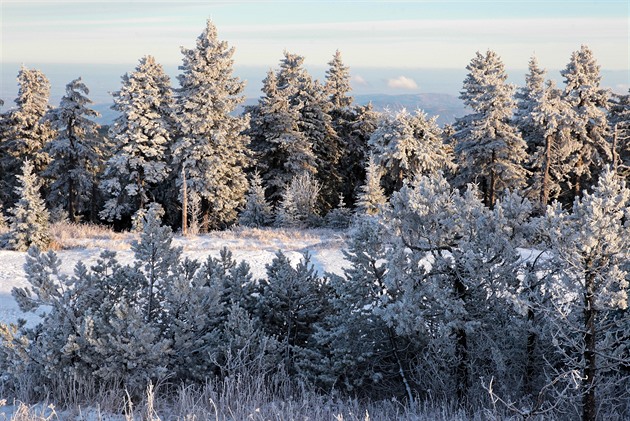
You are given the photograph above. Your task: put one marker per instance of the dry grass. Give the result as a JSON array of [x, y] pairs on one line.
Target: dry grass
[[68, 235]]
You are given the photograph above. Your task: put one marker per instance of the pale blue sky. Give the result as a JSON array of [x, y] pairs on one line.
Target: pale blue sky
[[382, 34]]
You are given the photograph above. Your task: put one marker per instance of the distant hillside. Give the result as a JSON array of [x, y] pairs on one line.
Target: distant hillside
[[445, 106]]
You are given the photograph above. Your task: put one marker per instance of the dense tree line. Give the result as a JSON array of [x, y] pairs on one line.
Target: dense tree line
[[488, 260]]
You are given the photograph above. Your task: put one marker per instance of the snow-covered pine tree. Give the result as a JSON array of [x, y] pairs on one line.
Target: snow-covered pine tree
[[353, 161], [140, 137], [589, 129], [211, 145], [489, 150], [526, 99], [451, 269], [281, 150], [298, 208], [371, 199], [590, 248], [316, 125], [405, 145], [29, 216], [257, 212], [74, 152], [552, 117], [25, 132]]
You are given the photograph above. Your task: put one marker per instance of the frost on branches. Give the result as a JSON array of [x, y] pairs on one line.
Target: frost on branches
[[590, 249], [210, 146], [489, 150], [25, 132], [74, 152], [29, 220], [141, 137]]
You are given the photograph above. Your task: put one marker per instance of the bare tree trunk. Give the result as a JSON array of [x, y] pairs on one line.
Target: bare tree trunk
[[493, 181], [590, 360], [71, 199], [401, 370], [184, 203], [544, 187]]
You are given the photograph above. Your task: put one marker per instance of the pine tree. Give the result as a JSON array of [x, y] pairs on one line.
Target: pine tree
[[406, 145], [526, 99], [590, 248], [548, 163], [29, 216], [281, 149], [211, 146], [257, 212], [141, 137], [488, 149], [25, 131], [371, 198], [590, 129], [75, 153], [292, 300]]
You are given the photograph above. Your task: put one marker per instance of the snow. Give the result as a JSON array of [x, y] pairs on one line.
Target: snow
[[256, 246]]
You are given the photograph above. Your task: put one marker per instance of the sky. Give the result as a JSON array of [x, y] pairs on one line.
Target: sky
[[391, 46]]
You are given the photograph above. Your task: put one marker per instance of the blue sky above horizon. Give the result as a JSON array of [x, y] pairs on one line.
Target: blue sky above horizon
[[399, 35]]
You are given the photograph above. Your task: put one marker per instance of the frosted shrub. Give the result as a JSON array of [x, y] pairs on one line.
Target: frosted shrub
[[299, 201]]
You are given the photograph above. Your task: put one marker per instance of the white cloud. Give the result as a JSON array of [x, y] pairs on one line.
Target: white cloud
[[359, 80], [402, 82]]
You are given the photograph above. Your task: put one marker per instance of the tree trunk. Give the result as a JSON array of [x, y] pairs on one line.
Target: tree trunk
[[493, 181], [461, 350], [590, 361], [401, 370], [544, 187], [71, 199], [184, 203]]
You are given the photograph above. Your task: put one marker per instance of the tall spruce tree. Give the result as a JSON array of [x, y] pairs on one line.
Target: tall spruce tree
[[590, 129], [75, 151], [140, 137], [281, 149], [29, 221], [25, 132], [489, 150], [211, 146]]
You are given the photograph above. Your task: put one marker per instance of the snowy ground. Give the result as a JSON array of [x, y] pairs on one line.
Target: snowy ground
[[256, 246]]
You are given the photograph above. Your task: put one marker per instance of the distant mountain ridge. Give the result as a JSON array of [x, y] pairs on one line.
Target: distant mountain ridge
[[446, 107]]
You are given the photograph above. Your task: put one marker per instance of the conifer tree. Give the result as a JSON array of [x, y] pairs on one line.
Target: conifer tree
[[141, 137], [406, 145], [548, 162], [590, 248], [29, 216], [257, 212], [25, 131], [589, 129], [371, 198], [74, 152], [211, 145], [526, 99], [281, 149], [488, 149]]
